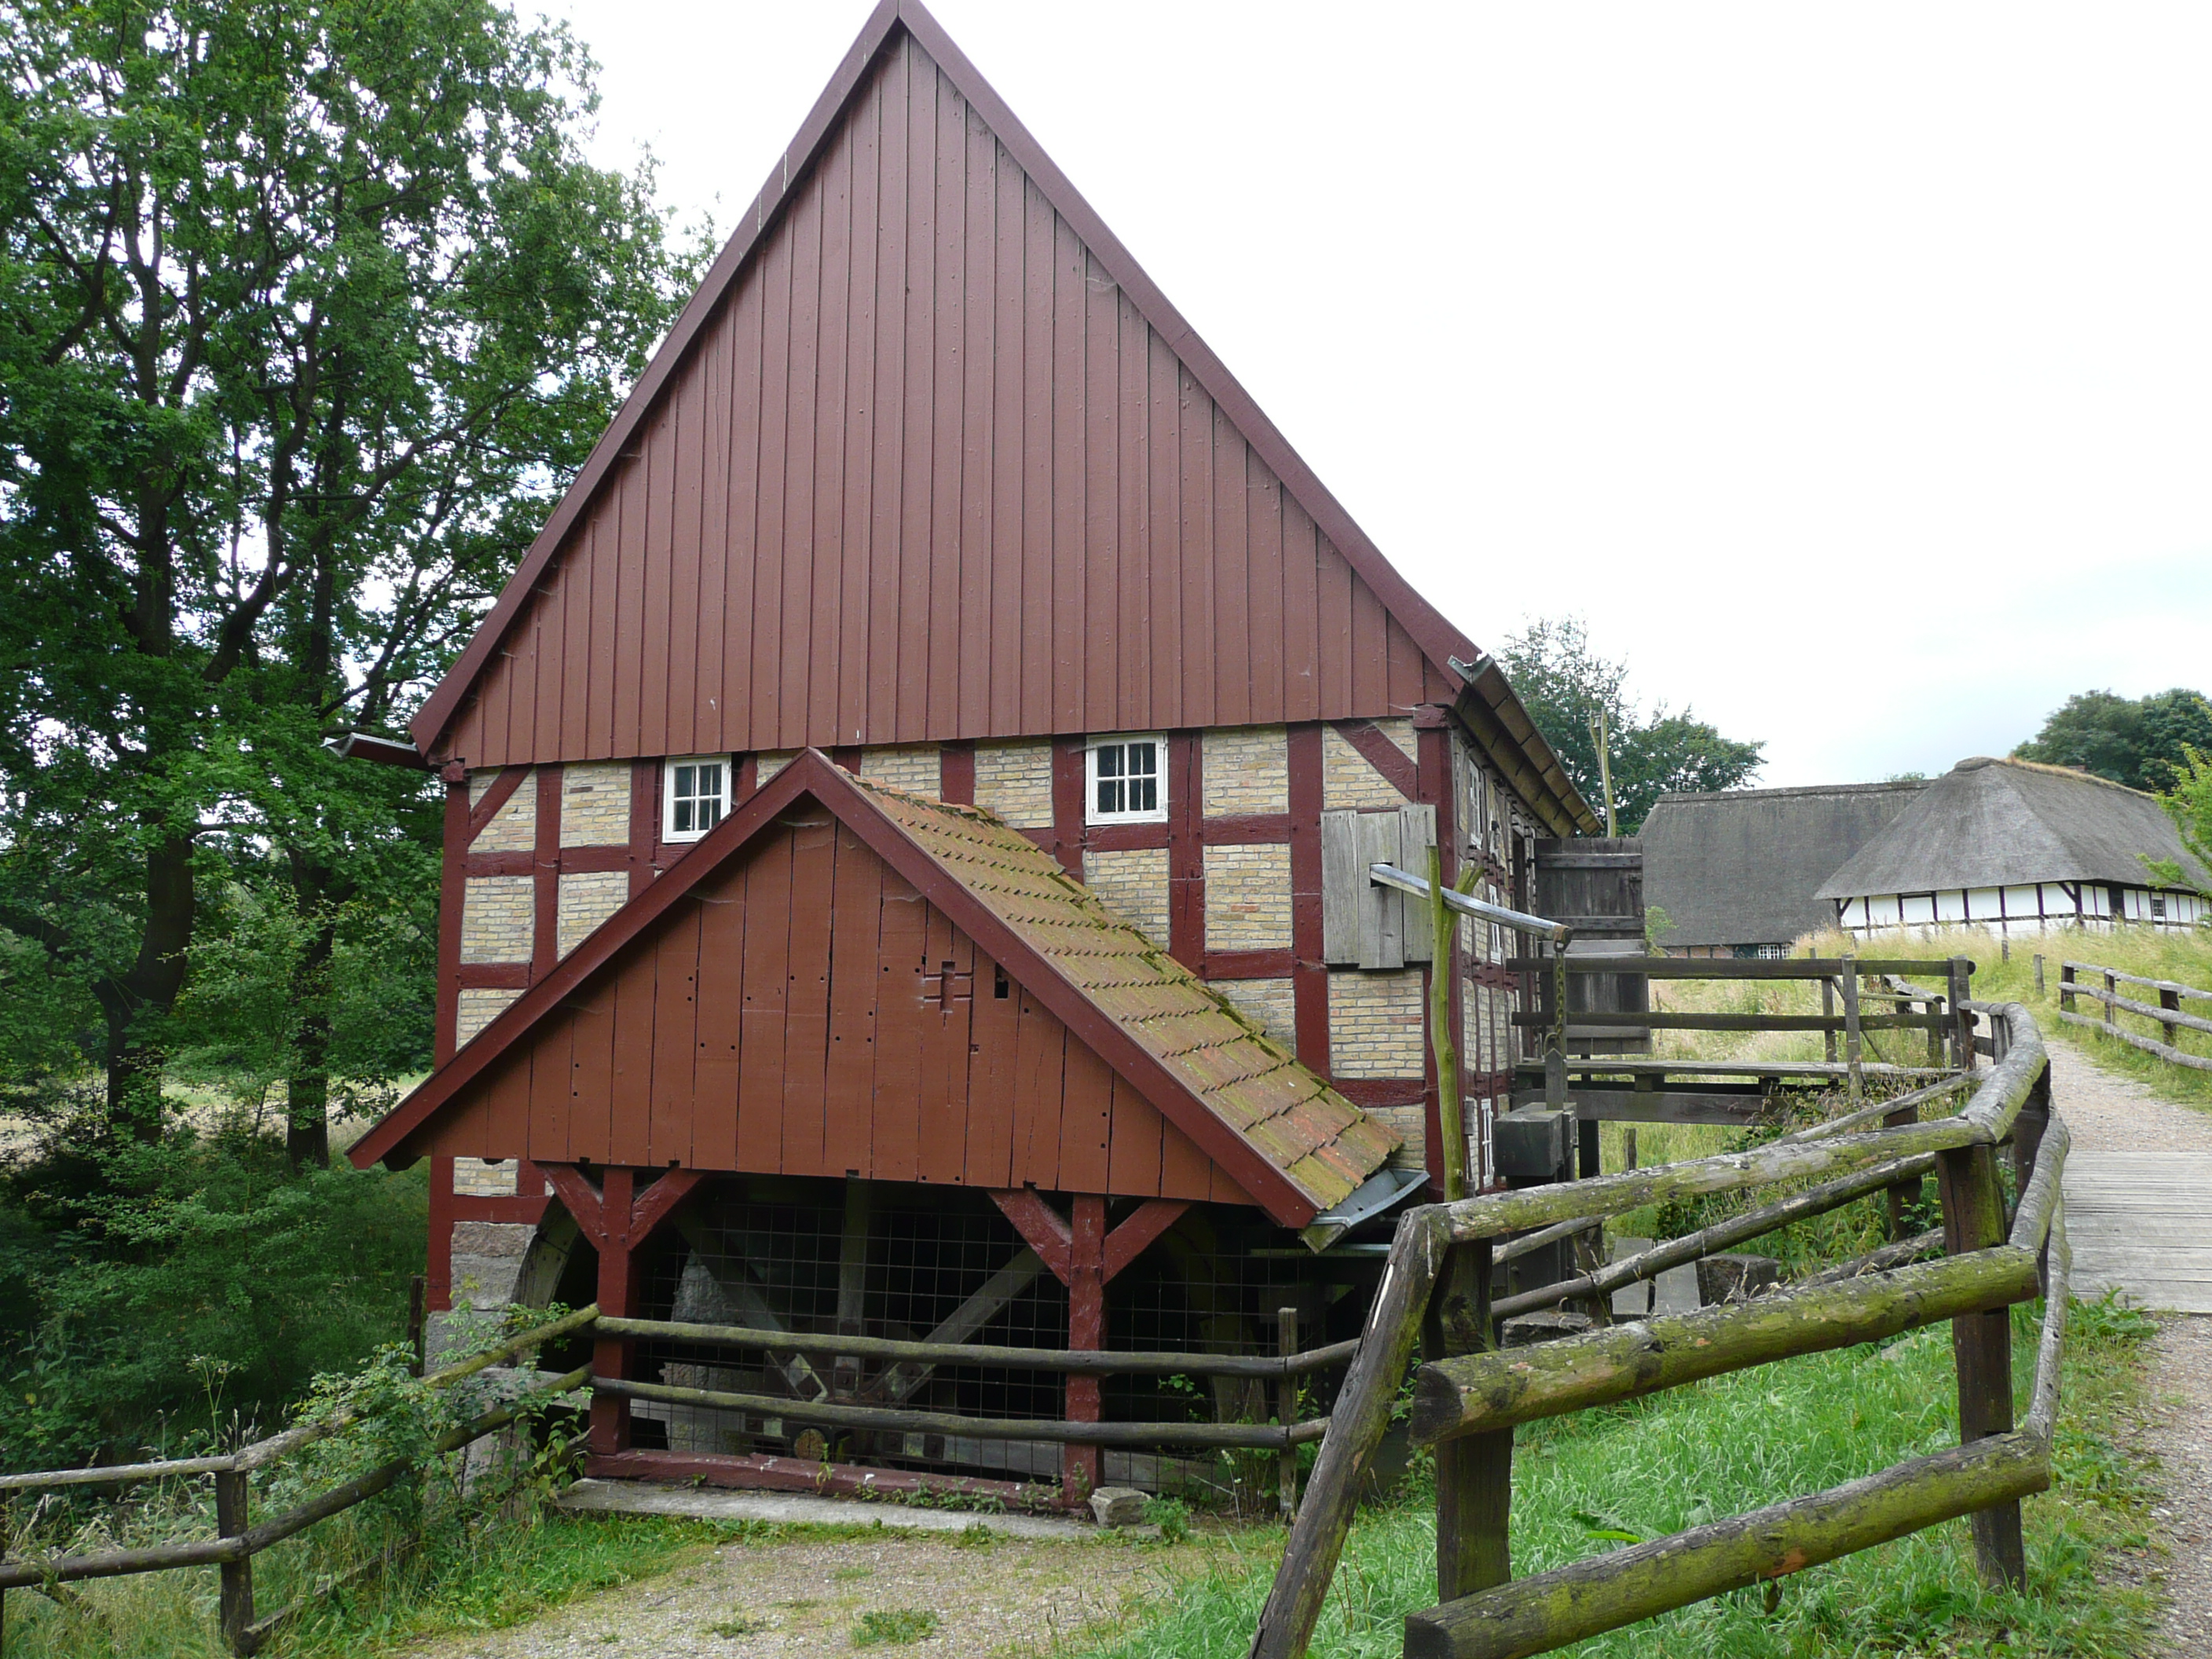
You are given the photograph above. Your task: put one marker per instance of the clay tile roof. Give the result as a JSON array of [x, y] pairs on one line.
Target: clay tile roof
[[1325, 1145]]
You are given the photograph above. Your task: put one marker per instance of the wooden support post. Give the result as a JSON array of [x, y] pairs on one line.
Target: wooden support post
[[617, 1295], [1962, 1017], [1087, 1328], [237, 1577], [1852, 1055], [851, 1284], [1828, 1011], [1628, 1147], [2169, 999], [1286, 1413], [1935, 1010], [1474, 1471], [2065, 987], [1451, 1104], [417, 1325], [2038, 973], [1981, 1347]]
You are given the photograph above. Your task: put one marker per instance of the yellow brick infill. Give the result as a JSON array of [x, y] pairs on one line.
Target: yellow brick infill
[[474, 1178], [1247, 769], [1375, 1024], [1247, 898], [1269, 1004], [772, 761], [477, 1009], [1014, 780], [498, 918], [913, 767], [1133, 885], [513, 828], [586, 900], [1347, 778], [595, 803]]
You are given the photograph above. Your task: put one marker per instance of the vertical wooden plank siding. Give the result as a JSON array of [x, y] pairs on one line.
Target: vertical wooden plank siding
[[930, 474], [791, 1016], [856, 925]]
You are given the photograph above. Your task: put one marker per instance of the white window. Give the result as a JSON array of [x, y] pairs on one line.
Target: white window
[[695, 795], [1126, 781]]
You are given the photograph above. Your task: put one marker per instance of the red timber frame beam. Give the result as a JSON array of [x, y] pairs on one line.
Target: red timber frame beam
[[617, 1217], [1082, 1253]]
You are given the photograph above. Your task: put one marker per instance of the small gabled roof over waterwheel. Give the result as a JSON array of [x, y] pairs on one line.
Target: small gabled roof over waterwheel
[[852, 933]]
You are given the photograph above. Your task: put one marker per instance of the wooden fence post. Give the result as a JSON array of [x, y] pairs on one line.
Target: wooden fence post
[[237, 1577], [1981, 1348], [2111, 990], [1474, 1471], [1962, 1017], [2038, 973], [1286, 1413], [1828, 1011], [1851, 1041], [2171, 1000]]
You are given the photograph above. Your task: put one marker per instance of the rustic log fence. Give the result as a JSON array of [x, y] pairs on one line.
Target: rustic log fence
[[238, 1539], [1438, 1291], [2167, 1011]]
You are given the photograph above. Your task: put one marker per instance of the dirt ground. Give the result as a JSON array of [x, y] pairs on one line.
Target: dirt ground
[[2108, 1113], [1009, 1597]]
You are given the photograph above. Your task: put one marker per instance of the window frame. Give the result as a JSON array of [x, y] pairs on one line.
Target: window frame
[[669, 833], [1158, 812]]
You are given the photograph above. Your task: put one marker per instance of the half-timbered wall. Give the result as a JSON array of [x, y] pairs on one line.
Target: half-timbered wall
[[2029, 907]]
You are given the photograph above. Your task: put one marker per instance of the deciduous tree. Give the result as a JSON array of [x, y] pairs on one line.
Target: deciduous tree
[[304, 312]]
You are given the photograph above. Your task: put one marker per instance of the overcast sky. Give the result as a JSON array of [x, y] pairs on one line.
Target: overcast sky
[[1849, 368]]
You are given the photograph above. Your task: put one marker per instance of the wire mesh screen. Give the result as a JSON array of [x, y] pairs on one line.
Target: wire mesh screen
[[945, 1265]]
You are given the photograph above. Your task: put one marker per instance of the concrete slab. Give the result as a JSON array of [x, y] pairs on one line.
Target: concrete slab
[[790, 1508], [1675, 1290]]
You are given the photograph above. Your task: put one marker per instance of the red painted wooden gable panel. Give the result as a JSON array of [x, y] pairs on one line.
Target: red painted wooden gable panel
[[794, 1015], [926, 473]]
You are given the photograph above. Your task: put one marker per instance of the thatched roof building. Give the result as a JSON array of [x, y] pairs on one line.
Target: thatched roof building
[[2017, 847], [1737, 873]]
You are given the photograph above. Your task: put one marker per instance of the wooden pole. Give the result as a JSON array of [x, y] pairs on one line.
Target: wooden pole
[[236, 1576], [1981, 1345], [1828, 1011], [2038, 973], [1604, 1592], [1962, 1017], [1475, 1472], [1851, 1050], [1451, 1107], [618, 1288], [1286, 1410], [1477, 1392], [1079, 1466]]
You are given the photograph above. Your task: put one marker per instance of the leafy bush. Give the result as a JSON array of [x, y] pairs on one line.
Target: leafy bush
[[149, 1295]]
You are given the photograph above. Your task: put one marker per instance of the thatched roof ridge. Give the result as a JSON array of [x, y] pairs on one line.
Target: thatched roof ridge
[[1992, 822], [1741, 866]]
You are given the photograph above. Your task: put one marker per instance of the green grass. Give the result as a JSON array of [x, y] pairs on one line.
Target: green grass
[[893, 1626], [1736, 1443]]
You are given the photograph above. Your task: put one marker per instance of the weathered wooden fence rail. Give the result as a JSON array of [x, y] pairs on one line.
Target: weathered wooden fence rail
[[1469, 1397], [2167, 1011], [238, 1541]]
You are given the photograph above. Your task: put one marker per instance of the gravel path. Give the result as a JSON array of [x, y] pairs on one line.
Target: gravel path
[[808, 1597], [2107, 1112]]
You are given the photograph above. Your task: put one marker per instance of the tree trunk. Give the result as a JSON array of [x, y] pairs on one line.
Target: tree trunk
[[318, 890], [135, 1002]]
